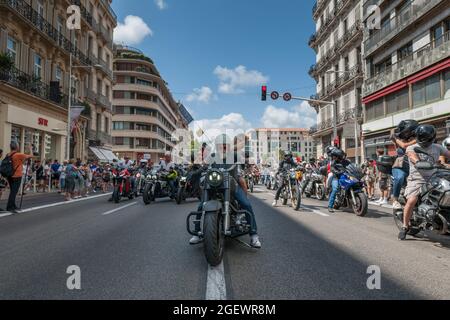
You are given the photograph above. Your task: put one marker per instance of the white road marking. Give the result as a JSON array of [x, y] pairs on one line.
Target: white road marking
[[56, 204], [118, 209], [215, 284], [5, 214]]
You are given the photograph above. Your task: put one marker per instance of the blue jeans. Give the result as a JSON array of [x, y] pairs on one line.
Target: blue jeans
[[334, 191], [399, 180], [173, 187], [245, 204]]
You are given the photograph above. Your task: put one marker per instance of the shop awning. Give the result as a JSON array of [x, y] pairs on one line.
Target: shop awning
[[109, 155], [100, 156]]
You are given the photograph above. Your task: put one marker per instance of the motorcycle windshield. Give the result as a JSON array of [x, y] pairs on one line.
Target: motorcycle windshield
[[354, 171]]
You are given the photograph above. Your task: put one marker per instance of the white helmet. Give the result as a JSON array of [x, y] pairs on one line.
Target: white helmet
[[446, 143]]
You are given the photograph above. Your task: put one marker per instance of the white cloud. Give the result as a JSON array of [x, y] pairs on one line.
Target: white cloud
[[132, 31], [203, 94], [230, 124], [161, 4], [234, 81], [299, 116]]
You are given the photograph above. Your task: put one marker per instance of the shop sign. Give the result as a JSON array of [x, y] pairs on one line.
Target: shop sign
[[43, 122]]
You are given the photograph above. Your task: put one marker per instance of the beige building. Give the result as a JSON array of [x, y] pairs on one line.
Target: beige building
[[34, 90], [268, 143], [145, 113], [407, 70], [338, 73]]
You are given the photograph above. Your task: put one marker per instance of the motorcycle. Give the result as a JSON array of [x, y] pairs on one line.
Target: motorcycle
[[140, 182], [221, 216], [432, 211], [351, 191], [291, 182], [156, 186], [189, 185], [122, 185], [314, 185], [249, 180]]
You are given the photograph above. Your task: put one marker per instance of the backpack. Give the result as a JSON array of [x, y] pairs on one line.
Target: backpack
[[6, 168]]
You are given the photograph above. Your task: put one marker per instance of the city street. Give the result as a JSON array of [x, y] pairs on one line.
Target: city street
[[133, 251]]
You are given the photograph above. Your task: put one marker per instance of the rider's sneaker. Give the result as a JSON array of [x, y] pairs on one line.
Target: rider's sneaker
[[383, 202], [330, 210], [254, 241], [274, 203], [195, 240], [396, 205], [402, 234]]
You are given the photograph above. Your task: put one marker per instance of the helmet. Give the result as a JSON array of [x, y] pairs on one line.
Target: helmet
[[329, 149], [288, 154], [425, 135], [406, 129], [338, 153], [446, 143], [312, 160]]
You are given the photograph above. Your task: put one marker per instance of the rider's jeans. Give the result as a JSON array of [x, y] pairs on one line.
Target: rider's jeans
[[334, 191], [172, 186], [399, 180], [245, 204]]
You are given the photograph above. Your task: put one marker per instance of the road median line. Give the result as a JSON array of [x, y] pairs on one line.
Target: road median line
[[118, 209], [215, 284]]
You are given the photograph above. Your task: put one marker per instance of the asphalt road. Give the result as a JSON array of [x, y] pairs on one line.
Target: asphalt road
[[133, 251]]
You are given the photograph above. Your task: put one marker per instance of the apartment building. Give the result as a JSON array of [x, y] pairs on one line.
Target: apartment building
[[145, 113], [266, 144], [34, 90], [338, 73], [407, 64]]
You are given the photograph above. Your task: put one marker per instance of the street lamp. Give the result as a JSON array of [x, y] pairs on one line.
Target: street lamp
[[70, 102], [356, 116]]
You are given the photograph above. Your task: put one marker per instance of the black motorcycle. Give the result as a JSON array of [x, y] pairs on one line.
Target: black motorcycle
[[313, 184], [290, 182], [432, 211], [189, 185], [221, 216], [250, 181], [156, 185]]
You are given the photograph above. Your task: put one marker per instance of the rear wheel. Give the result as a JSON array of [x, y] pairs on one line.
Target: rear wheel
[[147, 195], [320, 192], [214, 240]]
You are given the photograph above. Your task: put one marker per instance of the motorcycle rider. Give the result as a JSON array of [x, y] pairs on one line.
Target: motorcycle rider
[[285, 165], [338, 162], [240, 192], [169, 166], [425, 136]]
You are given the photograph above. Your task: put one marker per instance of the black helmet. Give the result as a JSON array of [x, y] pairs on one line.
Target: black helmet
[[406, 129], [338, 153], [425, 135], [312, 160], [329, 149]]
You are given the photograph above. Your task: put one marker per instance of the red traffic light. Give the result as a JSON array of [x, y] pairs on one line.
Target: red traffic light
[[264, 93]]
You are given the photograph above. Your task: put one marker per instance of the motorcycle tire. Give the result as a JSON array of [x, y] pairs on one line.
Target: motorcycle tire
[[180, 195], [214, 241], [147, 195], [251, 187], [116, 194], [297, 203], [398, 219], [320, 193], [285, 200], [362, 209]]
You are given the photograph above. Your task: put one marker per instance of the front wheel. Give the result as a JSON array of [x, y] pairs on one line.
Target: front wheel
[[147, 195], [180, 195], [361, 206], [214, 240], [320, 192], [297, 199], [251, 187], [116, 194]]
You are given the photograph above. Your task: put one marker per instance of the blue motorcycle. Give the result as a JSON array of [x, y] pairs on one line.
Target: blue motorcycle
[[351, 191]]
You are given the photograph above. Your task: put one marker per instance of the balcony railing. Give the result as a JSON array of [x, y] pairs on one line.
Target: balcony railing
[[110, 10], [354, 72], [98, 136], [25, 82], [426, 56], [342, 118], [104, 101], [403, 18], [84, 12], [33, 17]]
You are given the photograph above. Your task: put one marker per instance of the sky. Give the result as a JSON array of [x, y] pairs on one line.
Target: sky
[[216, 54]]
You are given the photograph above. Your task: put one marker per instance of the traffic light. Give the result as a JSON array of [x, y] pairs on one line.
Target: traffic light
[[264, 93]]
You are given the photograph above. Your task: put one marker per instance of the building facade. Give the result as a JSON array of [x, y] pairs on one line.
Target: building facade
[[338, 73], [407, 64], [34, 90], [145, 113], [269, 143]]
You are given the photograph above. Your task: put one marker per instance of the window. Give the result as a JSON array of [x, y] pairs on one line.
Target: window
[[40, 8], [433, 88], [58, 74], [375, 110], [437, 34], [37, 71], [447, 84], [144, 82], [59, 26], [405, 51], [99, 122], [118, 125], [418, 93], [397, 101], [12, 49]]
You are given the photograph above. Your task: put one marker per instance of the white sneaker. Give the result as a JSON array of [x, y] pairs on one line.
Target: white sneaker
[[274, 203], [384, 201], [254, 241], [396, 205], [195, 240]]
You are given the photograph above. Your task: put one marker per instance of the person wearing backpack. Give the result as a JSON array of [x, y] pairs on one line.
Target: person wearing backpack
[[11, 169]]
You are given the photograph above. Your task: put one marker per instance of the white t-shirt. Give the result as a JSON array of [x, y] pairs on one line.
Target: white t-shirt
[[435, 151], [166, 166]]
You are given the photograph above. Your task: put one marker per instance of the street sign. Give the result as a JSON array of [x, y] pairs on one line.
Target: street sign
[[274, 95], [287, 96]]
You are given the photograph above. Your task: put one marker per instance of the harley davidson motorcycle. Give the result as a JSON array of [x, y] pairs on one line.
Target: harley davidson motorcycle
[[221, 216], [351, 192], [156, 185], [291, 182], [432, 211], [189, 185]]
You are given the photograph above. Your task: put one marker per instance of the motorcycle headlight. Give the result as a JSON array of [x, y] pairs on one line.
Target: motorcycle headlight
[[215, 178], [154, 177], [445, 200], [183, 179]]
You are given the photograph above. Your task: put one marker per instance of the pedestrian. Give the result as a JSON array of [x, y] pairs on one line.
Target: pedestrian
[[38, 170], [3, 182], [383, 183], [69, 184], [14, 181], [55, 173], [370, 177], [47, 175], [62, 176]]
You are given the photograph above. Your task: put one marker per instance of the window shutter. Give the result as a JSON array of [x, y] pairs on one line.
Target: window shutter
[[48, 71], [24, 60], [31, 62], [3, 41]]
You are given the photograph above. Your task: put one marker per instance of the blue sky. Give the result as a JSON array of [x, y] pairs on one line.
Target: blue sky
[[215, 54]]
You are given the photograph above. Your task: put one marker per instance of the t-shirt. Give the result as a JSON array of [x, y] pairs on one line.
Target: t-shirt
[[17, 162], [435, 151], [55, 167], [167, 166]]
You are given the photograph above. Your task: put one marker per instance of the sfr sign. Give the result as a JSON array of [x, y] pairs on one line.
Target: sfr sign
[[43, 122]]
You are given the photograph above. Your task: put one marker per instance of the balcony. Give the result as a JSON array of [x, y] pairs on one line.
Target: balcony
[[420, 59], [103, 101], [98, 138], [312, 40], [342, 119], [32, 17], [403, 19], [106, 35], [31, 85], [110, 10], [84, 12], [340, 82], [313, 71], [104, 67]]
